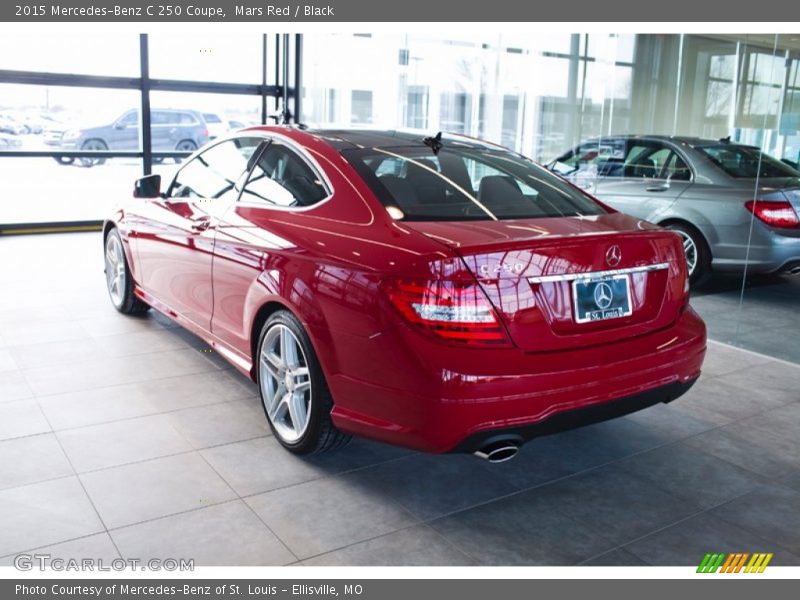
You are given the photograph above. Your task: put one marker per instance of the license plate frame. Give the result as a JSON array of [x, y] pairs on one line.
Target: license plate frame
[[583, 312]]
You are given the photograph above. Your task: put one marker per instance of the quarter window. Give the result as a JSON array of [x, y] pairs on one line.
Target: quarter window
[[214, 173], [282, 178]]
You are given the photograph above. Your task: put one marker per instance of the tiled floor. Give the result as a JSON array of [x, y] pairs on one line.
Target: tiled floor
[[120, 437], [756, 318]]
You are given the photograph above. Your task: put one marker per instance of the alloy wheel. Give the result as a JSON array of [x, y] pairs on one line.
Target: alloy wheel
[[93, 146], [115, 270], [285, 383], [690, 250]]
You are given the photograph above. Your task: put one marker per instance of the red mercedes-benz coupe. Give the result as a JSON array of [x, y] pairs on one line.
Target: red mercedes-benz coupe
[[438, 293]]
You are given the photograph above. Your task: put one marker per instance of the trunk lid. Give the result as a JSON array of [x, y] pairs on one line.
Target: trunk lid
[[528, 269]]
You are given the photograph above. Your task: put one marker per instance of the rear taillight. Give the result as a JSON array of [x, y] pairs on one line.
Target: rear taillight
[[775, 213], [456, 310]]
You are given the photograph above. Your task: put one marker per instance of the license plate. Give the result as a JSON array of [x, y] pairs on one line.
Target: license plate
[[601, 299]]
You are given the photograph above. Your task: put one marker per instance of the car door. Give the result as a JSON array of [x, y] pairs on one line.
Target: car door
[[651, 177], [125, 133], [162, 123], [176, 239], [281, 184]]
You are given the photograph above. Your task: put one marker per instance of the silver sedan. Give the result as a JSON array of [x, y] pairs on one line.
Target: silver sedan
[[735, 206]]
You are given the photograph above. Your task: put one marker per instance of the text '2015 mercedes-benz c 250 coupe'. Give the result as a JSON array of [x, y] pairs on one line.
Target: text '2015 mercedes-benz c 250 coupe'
[[438, 293]]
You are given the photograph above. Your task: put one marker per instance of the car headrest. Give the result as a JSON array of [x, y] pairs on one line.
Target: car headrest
[[499, 189], [400, 190]]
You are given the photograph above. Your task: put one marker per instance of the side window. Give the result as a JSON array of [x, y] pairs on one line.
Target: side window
[[676, 169], [130, 119], [604, 157], [645, 160], [185, 119], [282, 178], [214, 174], [159, 117]]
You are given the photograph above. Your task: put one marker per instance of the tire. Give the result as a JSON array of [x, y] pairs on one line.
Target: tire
[[97, 145], [184, 146], [293, 388], [64, 160], [698, 256], [118, 277]]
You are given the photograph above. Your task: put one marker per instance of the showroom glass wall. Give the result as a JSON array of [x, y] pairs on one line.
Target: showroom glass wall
[[543, 94], [72, 109]]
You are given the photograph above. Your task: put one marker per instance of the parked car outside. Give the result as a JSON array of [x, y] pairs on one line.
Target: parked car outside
[[437, 293], [735, 206], [171, 130]]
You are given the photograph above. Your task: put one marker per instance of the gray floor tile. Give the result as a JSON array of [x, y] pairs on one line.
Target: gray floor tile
[[92, 407], [772, 512], [562, 454], [7, 362], [157, 488], [260, 465], [20, 418], [97, 546], [415, 546], [692, 475], [323, 515], [615, 558], [737, 445], [714, 395], [45, 513], [429, 486], [114, 371], [13, 386], [618, 505], [357, 454], [687, 542], [49, 354], [113, 324], [523, 529], [225, 534], [112, 444], [223, 423], [672, 423], [722, 359], [32, 332], [140, 342], [197, 389], [31, 459]]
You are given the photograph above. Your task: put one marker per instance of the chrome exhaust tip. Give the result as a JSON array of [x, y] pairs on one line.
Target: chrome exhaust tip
[[497, 452]]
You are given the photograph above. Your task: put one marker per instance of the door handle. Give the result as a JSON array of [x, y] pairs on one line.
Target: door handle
[[201, 224], [657, 188]]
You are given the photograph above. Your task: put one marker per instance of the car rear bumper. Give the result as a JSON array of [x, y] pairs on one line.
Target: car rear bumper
[[451, 400], [770, 251], [579, 417]]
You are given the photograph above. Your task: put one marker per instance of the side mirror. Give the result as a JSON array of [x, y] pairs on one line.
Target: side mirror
[[147, 187]]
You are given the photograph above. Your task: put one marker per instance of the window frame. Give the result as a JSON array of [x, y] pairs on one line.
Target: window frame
[[304, 155], [168, 195]]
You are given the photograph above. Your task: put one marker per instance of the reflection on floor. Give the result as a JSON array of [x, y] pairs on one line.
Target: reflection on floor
[[764, 318], [121, 437]]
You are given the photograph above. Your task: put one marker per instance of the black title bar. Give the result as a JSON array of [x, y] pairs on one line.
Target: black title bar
[[148, 11]]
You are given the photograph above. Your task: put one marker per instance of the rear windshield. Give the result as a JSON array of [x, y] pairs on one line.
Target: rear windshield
[[746, 162], [464, 183]]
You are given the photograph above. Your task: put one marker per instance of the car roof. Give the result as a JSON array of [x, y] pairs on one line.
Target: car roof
[[343, 139], [681, 139]]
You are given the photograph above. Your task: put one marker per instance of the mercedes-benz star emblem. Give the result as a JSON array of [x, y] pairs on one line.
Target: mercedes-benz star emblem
[[613, 256], [603, 295]]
